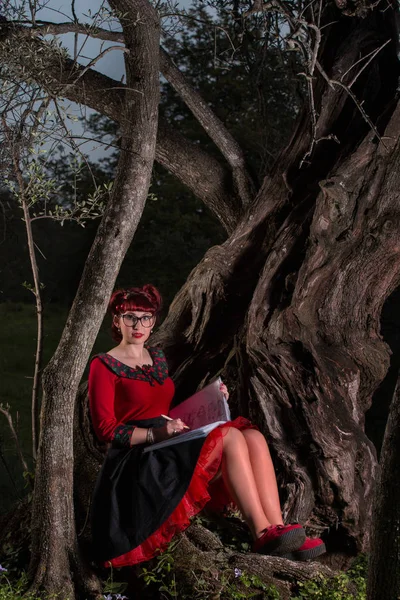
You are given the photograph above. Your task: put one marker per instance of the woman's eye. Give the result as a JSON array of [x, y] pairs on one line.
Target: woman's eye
[[146, 319]]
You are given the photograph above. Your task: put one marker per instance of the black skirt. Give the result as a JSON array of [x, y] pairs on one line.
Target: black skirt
[[136, 492]]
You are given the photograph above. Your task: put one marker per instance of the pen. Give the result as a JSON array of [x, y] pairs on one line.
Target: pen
[[169, 419]]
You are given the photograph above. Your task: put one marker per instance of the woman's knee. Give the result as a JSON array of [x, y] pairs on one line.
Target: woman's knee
[[232, 437], [253, 436]]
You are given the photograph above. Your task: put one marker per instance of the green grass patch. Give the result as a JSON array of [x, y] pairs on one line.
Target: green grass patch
[[349, 585], [18, 337], [16, 589]]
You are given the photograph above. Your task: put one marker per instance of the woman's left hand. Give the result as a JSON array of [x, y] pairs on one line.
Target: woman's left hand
[[224, 390]]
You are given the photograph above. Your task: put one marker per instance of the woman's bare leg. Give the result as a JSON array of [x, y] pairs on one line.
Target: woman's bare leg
[[264, 475], [237, 472]]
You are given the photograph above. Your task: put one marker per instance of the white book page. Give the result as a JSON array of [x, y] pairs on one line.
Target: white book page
[[185, 437]]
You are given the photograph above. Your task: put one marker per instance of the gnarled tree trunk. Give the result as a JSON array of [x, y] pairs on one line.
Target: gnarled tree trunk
[[313, 260]]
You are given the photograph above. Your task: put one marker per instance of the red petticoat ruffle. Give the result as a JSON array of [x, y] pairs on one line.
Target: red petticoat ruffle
[[201, 491]]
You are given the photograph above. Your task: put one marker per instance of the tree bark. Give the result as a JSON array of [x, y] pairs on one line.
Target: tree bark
[[384, 564], [55, 550], [320, 355]]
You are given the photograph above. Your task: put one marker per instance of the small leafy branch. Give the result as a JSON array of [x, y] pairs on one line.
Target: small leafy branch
[[32, 125], [162, 575], [114, 590]]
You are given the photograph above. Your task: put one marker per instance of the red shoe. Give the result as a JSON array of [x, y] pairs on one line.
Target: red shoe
[[280, 539], [310, 549]]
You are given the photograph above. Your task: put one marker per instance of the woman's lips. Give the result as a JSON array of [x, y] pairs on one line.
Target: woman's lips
[[138, 335]]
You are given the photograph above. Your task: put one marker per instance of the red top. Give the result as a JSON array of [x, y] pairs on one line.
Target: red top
[[119, 394]]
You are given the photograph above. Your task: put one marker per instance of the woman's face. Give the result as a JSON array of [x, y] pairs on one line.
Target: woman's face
[[135, 326]]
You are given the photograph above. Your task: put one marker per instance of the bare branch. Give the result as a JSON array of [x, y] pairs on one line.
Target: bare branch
[[337, 83], [361, 109], [188, 162], [73, 11], [46, 28], [6, 412], [371, 57], [212, 125]]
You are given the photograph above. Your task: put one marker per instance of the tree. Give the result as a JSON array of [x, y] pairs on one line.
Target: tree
[[290, 302], [53, 532]]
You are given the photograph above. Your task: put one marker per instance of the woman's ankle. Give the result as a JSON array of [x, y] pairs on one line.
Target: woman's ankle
[[261, 532]]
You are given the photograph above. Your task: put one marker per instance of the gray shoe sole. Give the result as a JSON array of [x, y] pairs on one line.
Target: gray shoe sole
[[286, 543], [306, 554]]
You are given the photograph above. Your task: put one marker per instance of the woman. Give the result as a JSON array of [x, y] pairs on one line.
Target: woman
[[142, 499]]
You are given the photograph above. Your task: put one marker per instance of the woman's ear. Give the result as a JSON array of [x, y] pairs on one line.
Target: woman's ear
[[116, 322]]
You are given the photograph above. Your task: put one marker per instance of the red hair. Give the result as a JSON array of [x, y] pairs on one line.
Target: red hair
[[146, 298]]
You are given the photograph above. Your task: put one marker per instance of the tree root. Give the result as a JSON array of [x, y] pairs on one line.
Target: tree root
[[204, 567]]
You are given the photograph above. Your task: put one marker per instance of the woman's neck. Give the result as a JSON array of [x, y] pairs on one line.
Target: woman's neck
[[132, 351]]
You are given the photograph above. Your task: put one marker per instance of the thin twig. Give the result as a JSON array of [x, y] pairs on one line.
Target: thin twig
[[7, 468], [97, 58], [32, 9], [36, 281], [74, 146], [73, 11], [360, 108], [6, 412], [372, 56]]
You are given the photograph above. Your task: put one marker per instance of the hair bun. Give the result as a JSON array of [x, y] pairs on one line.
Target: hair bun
[[155, 296]]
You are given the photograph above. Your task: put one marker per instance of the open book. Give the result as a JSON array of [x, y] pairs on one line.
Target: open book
[[202, 412]]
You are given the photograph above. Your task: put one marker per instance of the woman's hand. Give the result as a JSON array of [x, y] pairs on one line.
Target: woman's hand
[[175, 427], [170, 429], [224, 390]]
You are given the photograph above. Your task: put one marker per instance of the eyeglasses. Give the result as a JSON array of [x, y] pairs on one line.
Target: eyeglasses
[[132, 320]]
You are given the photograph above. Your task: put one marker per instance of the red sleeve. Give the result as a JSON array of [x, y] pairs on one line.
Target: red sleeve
[[101, 401]]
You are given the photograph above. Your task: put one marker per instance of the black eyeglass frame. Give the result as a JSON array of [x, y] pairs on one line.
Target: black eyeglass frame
[[136, 319]]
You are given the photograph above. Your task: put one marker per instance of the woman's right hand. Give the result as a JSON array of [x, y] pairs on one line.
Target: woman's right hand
[[170, 429]]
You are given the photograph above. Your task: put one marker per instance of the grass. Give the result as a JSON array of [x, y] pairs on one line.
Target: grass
[[17, 354]]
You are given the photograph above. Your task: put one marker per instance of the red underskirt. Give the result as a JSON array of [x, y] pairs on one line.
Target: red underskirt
[[201, 491]]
